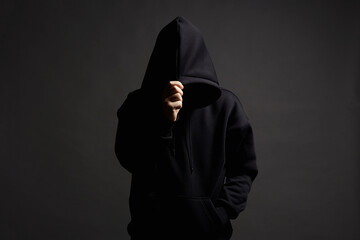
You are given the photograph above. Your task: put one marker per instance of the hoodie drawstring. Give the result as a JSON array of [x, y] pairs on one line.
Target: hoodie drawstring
[[188, 144]]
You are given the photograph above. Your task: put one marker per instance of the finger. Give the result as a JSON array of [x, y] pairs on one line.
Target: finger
[[175, 97], [166, 89], [169, 88], [178, 90], [175, 89], [177, 83], [175, 105]]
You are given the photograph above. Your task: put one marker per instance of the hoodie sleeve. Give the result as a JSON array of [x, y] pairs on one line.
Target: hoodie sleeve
[[142, 132], [240, 165], [135, 143], [129, 138]]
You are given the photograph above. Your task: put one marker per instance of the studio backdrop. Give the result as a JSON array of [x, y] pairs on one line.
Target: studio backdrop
[[67, 66]]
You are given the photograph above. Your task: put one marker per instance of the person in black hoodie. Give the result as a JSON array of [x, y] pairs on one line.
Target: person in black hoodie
[[187, 143]]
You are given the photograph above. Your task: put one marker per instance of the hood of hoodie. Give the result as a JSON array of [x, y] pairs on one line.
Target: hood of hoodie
[[180, 54]]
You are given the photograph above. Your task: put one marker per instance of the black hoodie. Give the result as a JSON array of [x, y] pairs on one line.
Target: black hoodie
[[192, 175]]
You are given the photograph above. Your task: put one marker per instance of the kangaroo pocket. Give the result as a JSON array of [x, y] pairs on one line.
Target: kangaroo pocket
[[184, 215]]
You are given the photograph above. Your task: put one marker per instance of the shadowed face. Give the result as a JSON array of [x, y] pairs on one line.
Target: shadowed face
[[198, 95]]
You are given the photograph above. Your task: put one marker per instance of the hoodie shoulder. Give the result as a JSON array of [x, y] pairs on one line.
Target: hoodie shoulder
[[132, 100], [229, 97], [230, 101]]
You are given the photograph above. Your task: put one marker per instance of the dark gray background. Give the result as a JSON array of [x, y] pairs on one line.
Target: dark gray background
[[67, 67]]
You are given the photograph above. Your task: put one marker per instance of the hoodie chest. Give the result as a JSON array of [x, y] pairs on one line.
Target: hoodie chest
[[199, 139], [196, 154]]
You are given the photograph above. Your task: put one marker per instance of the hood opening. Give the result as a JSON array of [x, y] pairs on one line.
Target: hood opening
[[180, 54], [198, 94]]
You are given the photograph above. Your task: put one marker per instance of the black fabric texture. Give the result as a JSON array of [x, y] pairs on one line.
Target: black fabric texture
[[192, 175]]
